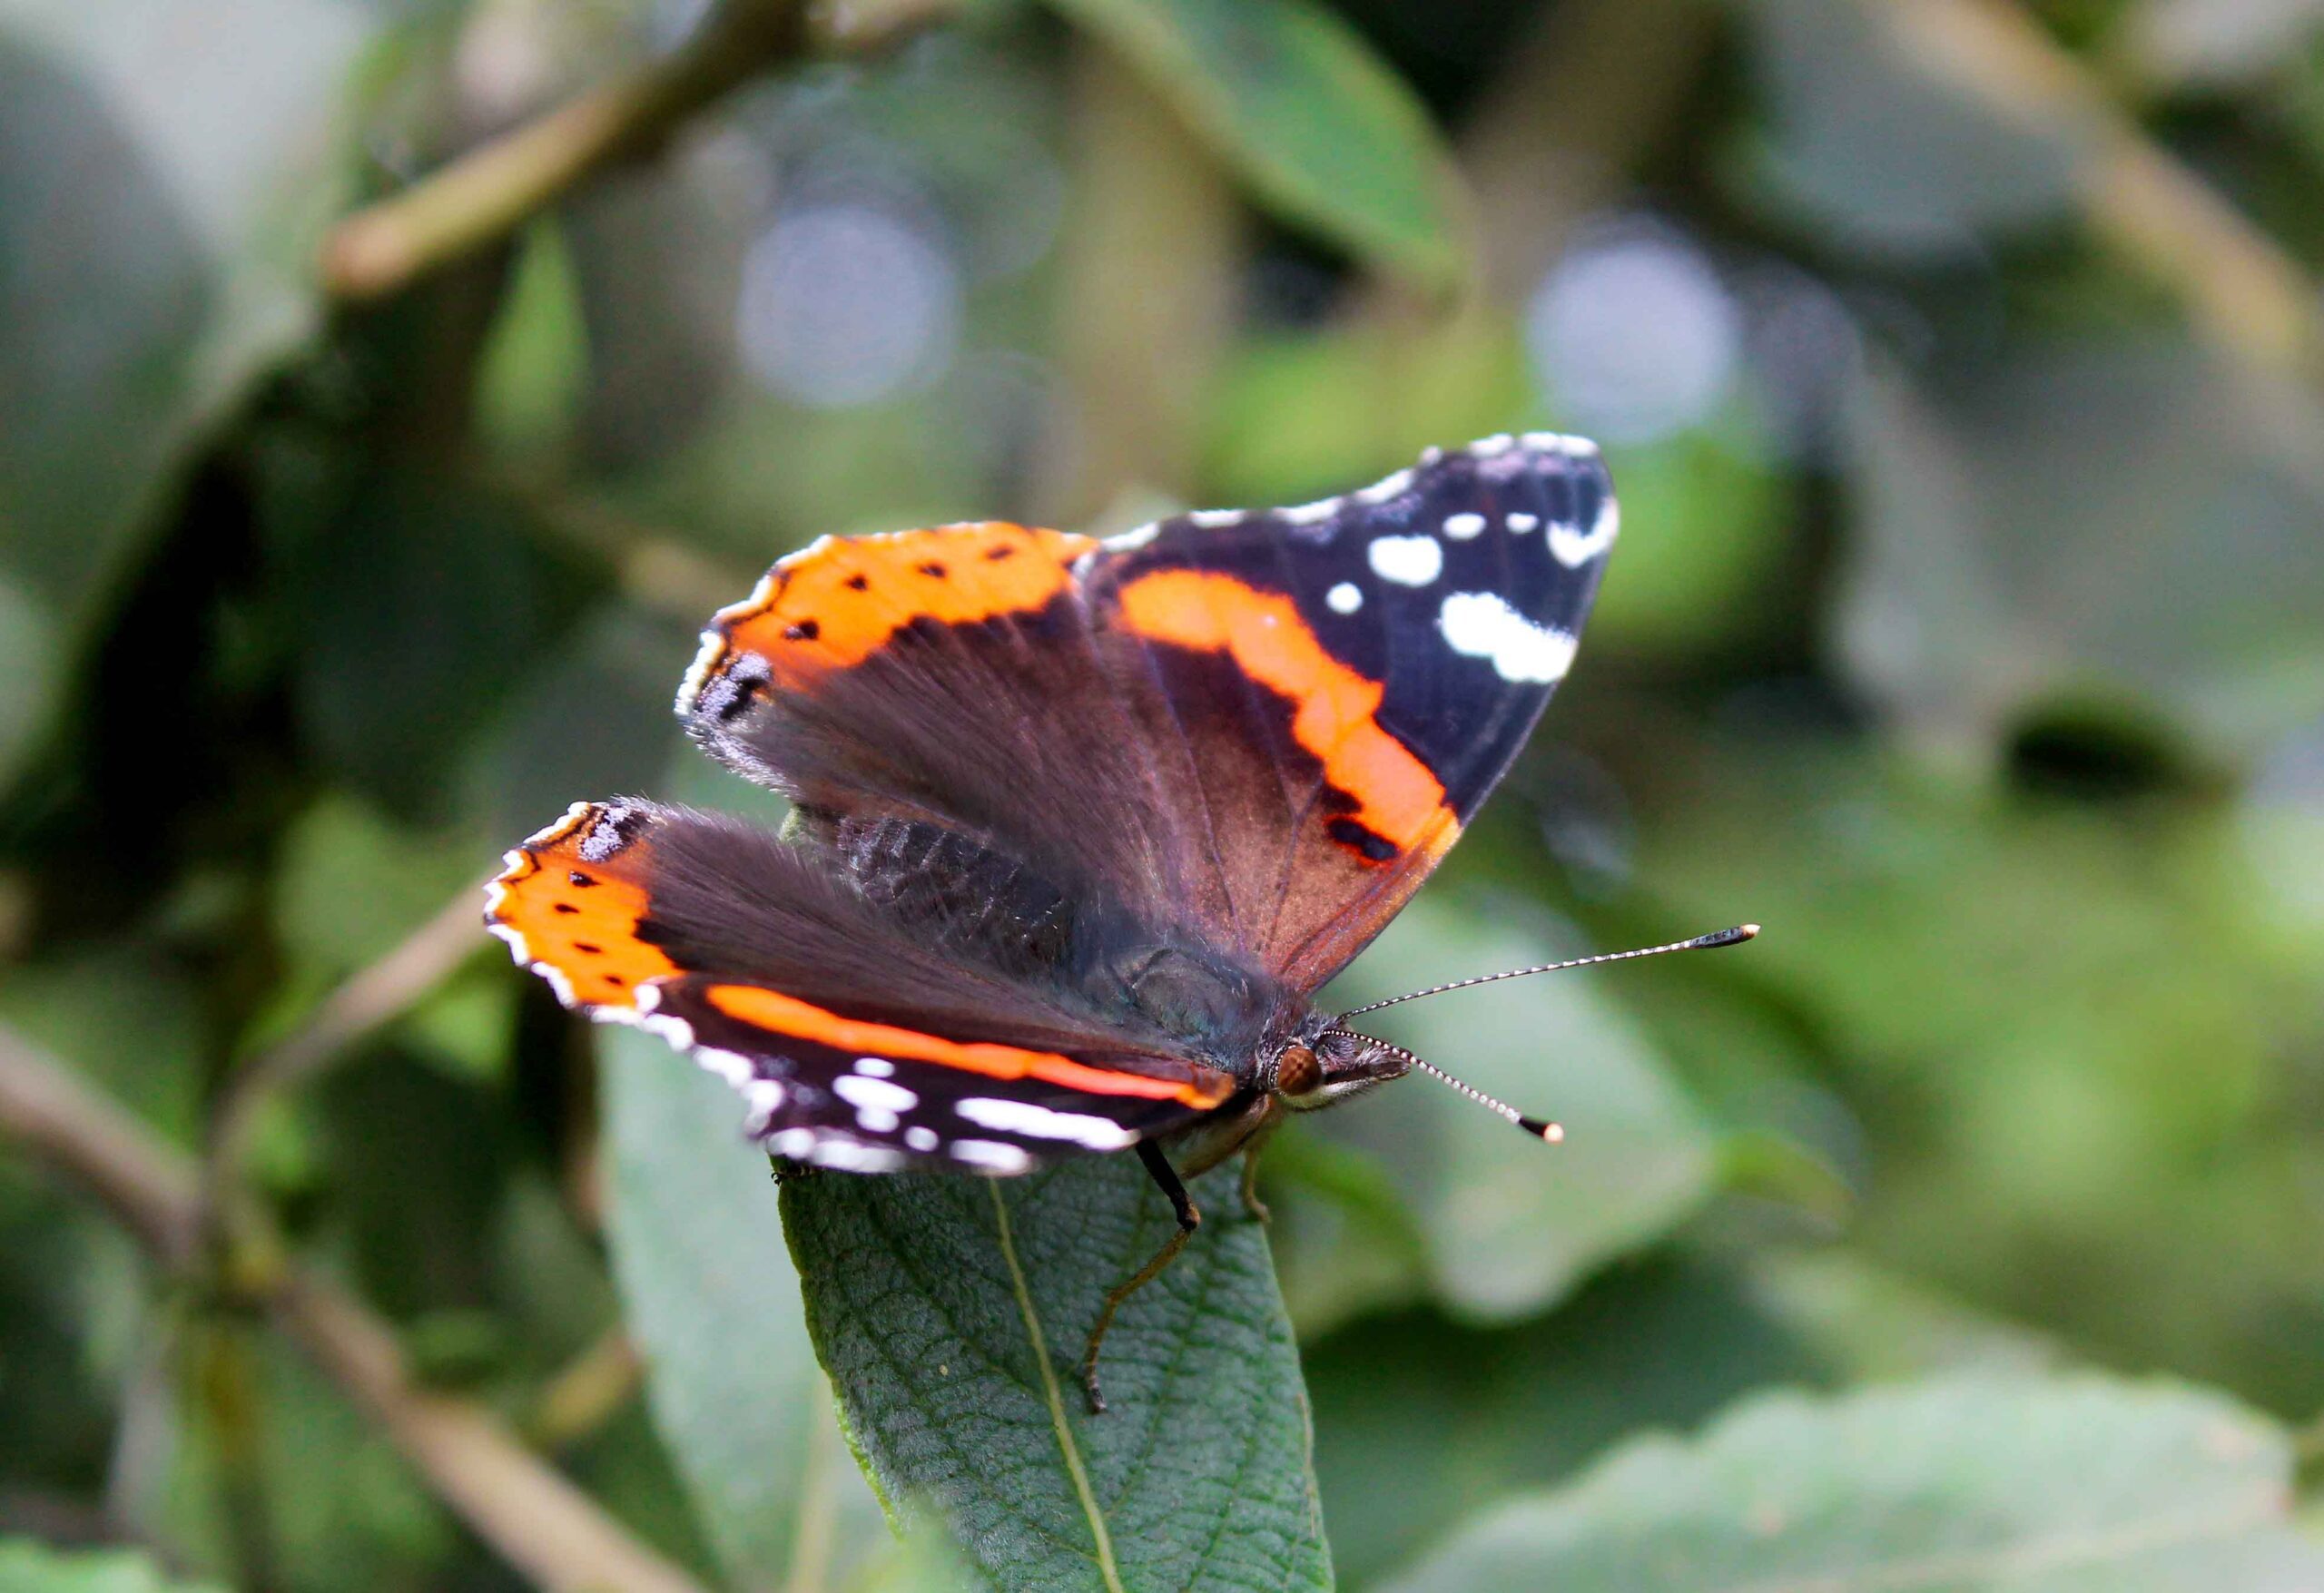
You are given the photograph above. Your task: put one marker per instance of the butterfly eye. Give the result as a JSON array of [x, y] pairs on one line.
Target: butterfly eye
[[1296, 1071]]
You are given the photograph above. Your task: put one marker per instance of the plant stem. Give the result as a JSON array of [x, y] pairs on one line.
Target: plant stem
[[483, 194], [539, 1522], [2241, 292], [375, 996], [479, 197]]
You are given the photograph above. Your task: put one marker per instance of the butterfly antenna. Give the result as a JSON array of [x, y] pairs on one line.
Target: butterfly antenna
[[1717, 938], [1540, 1128]]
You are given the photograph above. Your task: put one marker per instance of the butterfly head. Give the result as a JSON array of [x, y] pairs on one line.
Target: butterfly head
[[1322, 1063]]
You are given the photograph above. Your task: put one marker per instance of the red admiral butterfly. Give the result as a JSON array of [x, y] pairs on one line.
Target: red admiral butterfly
[[1079, 827]]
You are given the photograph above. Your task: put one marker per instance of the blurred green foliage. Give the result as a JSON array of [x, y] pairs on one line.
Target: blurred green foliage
[[1959, 365]]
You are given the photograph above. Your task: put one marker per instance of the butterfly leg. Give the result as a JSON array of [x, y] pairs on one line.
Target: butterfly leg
[[1182, 1207], [1252, 1206]]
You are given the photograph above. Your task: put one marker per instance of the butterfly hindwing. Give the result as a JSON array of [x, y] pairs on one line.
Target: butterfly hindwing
[[869, 1097], [861, 1038]]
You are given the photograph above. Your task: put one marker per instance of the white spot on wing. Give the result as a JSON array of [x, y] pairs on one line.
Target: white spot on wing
[[991, 1155], [765, 1098], [517, 950], [560, 983], [677, 1031], [878, 1104], [1214, 519], [735, 1069], [1344, 598], [875, 1068], [1081, 1128], [921, 1139], [847, 1157], [1575, 547], [1522, 523], [874, 1094], [1551, 442], [1482, 624], [1129, 541], [1409, 561], [1460, 528]]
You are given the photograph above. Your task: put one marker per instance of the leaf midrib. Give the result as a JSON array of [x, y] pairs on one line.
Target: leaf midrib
[[1067, 1447], [976, 1354]]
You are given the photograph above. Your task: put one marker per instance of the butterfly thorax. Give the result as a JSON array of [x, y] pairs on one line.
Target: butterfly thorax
[[1145, 983]]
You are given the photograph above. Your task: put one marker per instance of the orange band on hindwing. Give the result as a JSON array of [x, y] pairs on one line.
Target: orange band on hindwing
[[785, 1014]]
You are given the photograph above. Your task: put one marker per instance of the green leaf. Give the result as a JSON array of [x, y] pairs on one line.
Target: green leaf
[[532, 376], [26, 1567], [2075, 1484], [342, 849], [2128, 525], [2006, 993], [412, 588], [1508, 1225], [1667, 1343], [155, 235], [713, 1303], [1293, 99], [1714, 526], [951, 1313], [342, 1507], [1878, 142], [1294, 418]]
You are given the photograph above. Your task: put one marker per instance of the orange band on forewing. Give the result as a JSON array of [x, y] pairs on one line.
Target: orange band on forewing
[[586, 932], [837, 603], [1334, 707], [773, 1010]]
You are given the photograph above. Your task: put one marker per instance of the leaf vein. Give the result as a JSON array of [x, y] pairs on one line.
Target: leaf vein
[[1065, 1441]]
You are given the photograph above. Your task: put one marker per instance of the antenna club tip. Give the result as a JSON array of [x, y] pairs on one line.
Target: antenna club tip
[[1548, 1133], [1734, 937]]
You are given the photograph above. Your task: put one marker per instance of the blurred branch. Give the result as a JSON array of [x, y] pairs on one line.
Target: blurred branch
[[1537, 163], [1146, 296], [653, 567], [371, 998], [2242, 292], [144, 1181], [542, 1525], [482, 195], [587, 1391]]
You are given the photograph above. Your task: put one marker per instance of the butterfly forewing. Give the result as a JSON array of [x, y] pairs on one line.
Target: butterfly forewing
[[1353, 677]]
